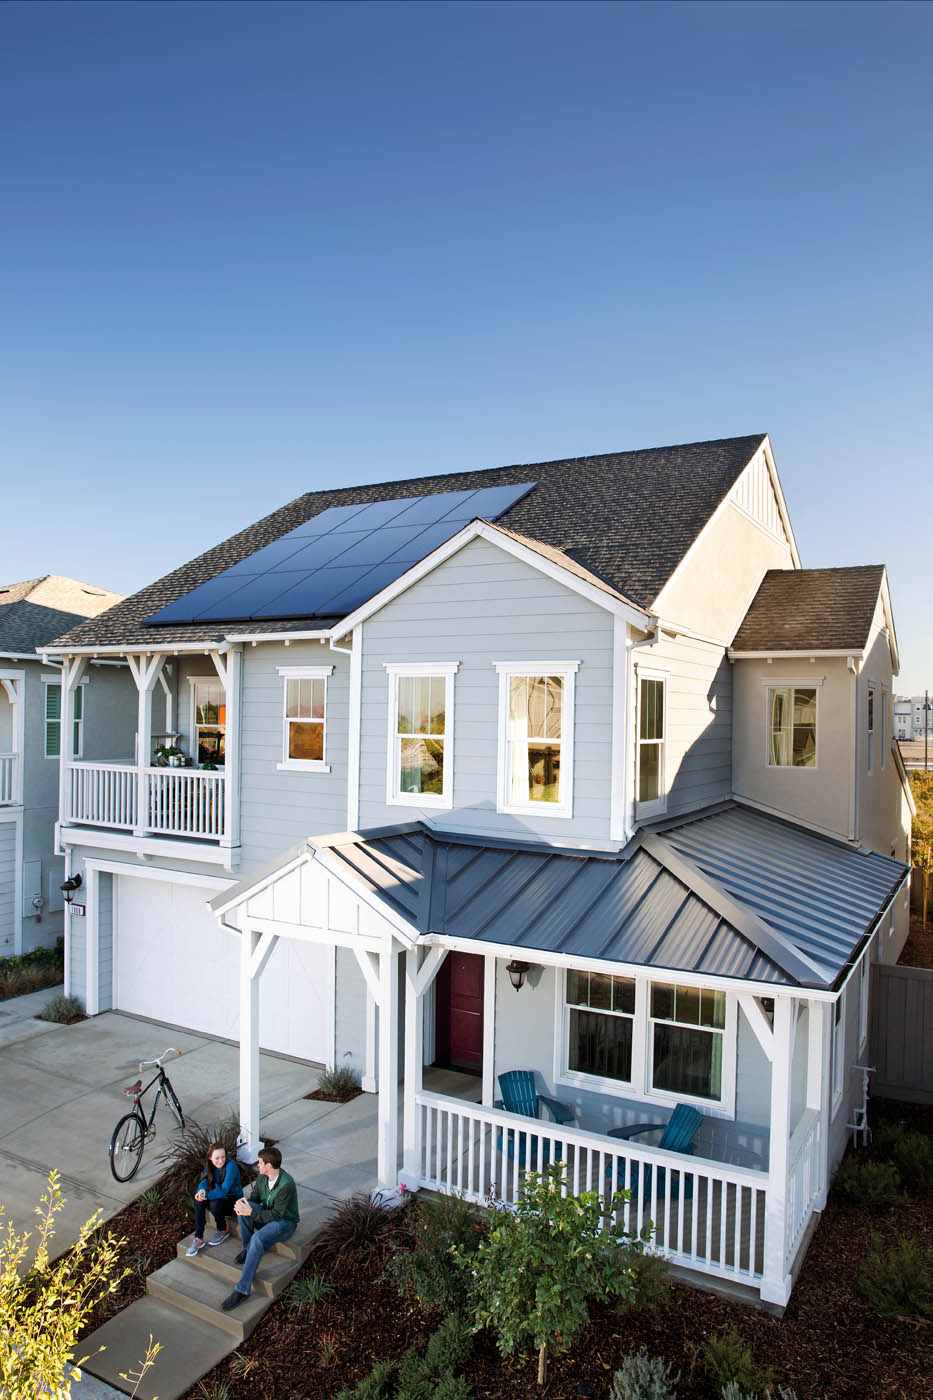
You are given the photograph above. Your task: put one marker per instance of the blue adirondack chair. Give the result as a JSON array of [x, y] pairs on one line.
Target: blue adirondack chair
[[519, 1095], [677, 1135]]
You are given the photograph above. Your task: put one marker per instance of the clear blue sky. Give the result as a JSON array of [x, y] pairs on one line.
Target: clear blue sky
[[252, 250]]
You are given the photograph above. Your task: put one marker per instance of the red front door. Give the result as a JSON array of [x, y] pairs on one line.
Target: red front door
[[460, 1011]]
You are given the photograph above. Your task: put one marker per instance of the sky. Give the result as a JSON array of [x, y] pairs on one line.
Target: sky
[[251, 250]]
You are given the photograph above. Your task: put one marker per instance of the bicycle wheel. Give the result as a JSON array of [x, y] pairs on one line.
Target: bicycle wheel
[[172, 1101], [126, 1147]]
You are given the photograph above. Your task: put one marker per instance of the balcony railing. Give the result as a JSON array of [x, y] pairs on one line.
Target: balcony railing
[[177, 801], [9, 779]]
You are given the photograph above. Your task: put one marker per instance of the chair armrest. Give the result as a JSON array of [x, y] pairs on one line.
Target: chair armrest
[[497, 1103], [636, 1129], [561, 1112]]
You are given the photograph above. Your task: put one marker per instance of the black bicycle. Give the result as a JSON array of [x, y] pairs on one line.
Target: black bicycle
[[133, 1131]]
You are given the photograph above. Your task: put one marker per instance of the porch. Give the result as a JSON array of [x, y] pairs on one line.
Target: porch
[[147, 801]]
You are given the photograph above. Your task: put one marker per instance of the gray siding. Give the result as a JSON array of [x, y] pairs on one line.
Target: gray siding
[[105, 941], [350, 1013], [7, 887], [479, 607], [77, 964]]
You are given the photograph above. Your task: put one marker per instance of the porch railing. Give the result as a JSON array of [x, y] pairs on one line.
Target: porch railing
[[9, 779], [703, 1215], [803, 1182], [177, 801]]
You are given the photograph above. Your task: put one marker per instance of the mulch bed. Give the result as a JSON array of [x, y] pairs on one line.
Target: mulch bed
[[333, 1098]]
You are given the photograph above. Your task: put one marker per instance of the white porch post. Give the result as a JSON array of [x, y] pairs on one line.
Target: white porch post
[[387, 1163], [418, 980], [776, 1283], [72, 676], [229, 668], [254, 954], [816, 1025], [146, 670]]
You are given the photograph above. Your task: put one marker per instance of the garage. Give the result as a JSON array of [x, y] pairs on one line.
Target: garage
[[173, 962]]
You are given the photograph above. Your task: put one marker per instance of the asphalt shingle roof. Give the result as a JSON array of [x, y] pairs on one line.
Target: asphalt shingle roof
[[628, 517], [37, 610], [818, 609]]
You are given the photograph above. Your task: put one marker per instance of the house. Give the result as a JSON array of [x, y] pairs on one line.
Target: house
[[903, 718], [569, 767], [31, 614]]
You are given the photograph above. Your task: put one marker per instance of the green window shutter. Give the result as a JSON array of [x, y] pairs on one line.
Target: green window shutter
[[53, 715]]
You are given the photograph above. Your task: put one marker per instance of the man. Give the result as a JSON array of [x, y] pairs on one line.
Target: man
[[267, 1215]]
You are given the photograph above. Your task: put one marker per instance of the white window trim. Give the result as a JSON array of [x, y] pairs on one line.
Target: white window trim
[[444, 800], [837, 1082], [303, 673], [657, 805], [78, 750], [640, 1088], [791, 683], [567, 671], [871, 705], [864, 974], [193, 682]]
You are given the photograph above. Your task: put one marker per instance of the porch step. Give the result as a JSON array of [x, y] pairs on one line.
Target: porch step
[[200, 1294], [189, 1349], [274, 1274]]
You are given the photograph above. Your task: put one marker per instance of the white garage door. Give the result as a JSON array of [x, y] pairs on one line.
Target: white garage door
[[174, 963]]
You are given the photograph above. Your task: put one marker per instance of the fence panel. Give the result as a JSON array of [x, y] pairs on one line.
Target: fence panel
[[902, 1033]]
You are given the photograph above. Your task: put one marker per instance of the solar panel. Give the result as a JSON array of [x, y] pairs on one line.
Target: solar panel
[[334, 562]]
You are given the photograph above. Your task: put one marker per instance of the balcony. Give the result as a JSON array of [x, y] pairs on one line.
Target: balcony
[[10, 780], [176, 802]]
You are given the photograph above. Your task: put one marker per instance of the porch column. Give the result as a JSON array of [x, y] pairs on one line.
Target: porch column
[[145, 670], [387, 1159], [819, 1058], [72, 675], [776, 1283], [229, 668], [418, 979], [254, 954]]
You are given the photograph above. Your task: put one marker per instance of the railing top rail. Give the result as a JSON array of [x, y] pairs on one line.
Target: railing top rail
[[118, 765], [584, 1137], [205, 774], [804, 1131]]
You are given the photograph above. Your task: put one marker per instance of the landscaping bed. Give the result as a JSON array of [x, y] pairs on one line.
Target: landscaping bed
[[30, 972]]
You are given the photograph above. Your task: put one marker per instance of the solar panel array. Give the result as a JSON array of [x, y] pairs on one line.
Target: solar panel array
[[339, 559]]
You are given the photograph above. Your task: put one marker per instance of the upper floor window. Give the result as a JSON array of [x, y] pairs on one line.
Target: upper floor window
[[421, 722], [652, 726], [871, 728], [792, 726], [209, 726], [53, 722], [536, 737], [303, 737]]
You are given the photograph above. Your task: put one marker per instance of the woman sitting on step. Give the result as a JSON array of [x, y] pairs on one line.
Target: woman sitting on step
[[218, 1190]]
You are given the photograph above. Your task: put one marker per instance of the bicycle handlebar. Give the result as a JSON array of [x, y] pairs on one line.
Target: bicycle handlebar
[[146, 1064]]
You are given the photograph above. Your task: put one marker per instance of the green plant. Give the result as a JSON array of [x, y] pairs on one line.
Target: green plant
[[341, 1082], [306, 1292], [652, 1282], [328, 1348], [427, 1375], [733, 1391], [728, 1358], [240, 1365], [868, 1183], [220, 1391], [644, 1377], [63, 1009], [186, 1149], [356, 1227], [428, 1268], [150, 1200], [136, 1377], [898, 1281], [910, 1151], [377, 1385], [530, 1280], [44, 1307], [141, 1263]]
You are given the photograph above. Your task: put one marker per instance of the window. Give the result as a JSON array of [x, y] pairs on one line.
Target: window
[[884, 730], [421, 711], [687, 1025], [650, 781], [601, 1024], [839, 1046], [209, 727], [53, 722], [871, 728], [792, 727], [536, 737], [305, 700]]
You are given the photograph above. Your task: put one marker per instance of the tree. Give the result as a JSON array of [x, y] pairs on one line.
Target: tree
[[44, 1306], [921, 833]]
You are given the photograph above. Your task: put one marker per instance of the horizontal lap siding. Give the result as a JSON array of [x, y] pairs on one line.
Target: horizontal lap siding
[[105, 941], [482, 606], [699, 720], [7, 887]]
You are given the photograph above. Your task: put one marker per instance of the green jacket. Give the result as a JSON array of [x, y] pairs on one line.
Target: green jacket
[[278, 1202]]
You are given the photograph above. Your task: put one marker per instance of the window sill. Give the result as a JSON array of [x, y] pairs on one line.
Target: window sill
[[644, 811], [536, 809], [615, 1088], [419, 799], [307, 765]]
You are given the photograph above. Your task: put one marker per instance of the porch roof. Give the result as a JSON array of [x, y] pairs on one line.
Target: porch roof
[[727, 892]]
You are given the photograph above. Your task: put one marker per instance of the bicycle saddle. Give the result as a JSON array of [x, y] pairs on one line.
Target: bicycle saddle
[[133, 1088]]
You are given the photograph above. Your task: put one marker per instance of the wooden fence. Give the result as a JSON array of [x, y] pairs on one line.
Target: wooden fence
[[902, 1033]]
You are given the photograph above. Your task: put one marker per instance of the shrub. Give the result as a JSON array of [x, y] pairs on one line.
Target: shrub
[[652, 1282], [733, 1391], [728, 1358], [910, 1151], [427, 1375], [28, 972], [357, 1228], [644, 1377], [531, 1278], [868, 1183], [341, 1081], [186, 1149], [429, 1269], [304, 1291], [62, 1009], [898, 1282]]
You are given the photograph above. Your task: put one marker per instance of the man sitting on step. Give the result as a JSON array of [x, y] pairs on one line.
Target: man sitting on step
[[269, 1214]]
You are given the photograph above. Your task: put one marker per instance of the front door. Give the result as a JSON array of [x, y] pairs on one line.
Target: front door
[[460, 1011]]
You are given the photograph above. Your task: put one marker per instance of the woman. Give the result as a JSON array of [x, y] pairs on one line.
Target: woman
[[219, 1188]]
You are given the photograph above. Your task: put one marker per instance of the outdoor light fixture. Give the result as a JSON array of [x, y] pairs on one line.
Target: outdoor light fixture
[[69, 887], [517, 971]]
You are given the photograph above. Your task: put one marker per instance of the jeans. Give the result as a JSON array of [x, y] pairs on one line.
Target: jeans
[[256, 1242], [219, 1209]]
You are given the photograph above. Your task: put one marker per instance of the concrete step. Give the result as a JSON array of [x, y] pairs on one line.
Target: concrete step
[[273, 1275], [189, 1349], [199, 1293]]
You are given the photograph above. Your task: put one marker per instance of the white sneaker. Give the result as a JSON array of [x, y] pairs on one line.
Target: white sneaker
[[193, 1247]]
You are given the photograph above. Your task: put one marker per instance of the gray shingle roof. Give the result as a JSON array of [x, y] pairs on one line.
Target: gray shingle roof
[[628, 517], [37, 610], [818, 609]]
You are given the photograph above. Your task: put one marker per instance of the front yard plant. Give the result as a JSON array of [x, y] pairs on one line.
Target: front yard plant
[[429, 1270], [898, 1281], [868, 1183], [422, 1375], [30, 972], [644, 1377], [65, 1010], [729, 1361]]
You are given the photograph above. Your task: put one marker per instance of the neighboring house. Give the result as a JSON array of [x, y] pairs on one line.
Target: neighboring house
[[921, 715], [31, 614], [599, 813], [903, 718]]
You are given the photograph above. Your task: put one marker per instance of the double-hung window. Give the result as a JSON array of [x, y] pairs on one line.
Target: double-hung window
[[421, 727], [53, 721], [871, 728], [651, 730], [601, 1023], [687, 1032], [536, 737], [209, 720], [792, 726], [303, 735]]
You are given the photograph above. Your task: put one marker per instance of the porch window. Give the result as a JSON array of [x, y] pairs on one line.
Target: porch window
[[210, 721], [303, 739], [651, 735], [535, 737], [53, 721], [687, 1026], [792, 720], [601, 1024], [421, 734]]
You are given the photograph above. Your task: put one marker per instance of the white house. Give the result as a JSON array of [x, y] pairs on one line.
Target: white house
[[518, 769]]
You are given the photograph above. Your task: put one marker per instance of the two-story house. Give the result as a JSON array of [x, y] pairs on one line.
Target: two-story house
[[31, 614], [508, 770]]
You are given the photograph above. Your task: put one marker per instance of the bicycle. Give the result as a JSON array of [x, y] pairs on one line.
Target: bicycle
[[132, 1132]]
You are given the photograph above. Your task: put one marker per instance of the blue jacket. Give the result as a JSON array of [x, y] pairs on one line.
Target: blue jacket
[[229, 1184]]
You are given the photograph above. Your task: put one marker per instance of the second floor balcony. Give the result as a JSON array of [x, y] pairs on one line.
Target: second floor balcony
[[148, 802]]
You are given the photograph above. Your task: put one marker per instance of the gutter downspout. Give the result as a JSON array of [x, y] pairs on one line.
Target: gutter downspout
[[853, 831]]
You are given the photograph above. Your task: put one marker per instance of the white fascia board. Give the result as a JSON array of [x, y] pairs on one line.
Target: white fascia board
[[92, 839], [139, 648], [156, 872], [889, 620], [254, 637], [904, 777], [776, 655], [781, 500], [26, 656]]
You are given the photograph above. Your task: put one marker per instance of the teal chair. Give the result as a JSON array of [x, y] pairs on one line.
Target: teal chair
[[519, 1095], [677, 1135]]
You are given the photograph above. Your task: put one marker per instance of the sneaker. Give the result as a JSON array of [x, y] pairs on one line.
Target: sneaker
[[234, 1301], [220, 1237], [241, 1257], [193, 1247]]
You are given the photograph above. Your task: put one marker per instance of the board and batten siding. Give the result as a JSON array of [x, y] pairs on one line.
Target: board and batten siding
[[7, 887], [104, 941], [279, 808], [481, 606], [77, 957]]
